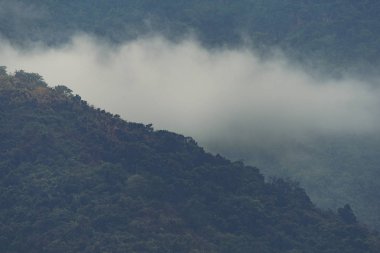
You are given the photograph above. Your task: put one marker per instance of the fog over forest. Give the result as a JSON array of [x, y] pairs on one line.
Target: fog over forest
[[228, 100], [190, 126], [207, 94]]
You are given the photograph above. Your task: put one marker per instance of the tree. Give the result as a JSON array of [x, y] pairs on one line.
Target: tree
[[347, 214], [3, 70], [31, 80], [62, 89]]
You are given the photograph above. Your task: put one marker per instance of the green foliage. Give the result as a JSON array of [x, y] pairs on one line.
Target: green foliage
[[3, 71], [30, 80], [334, 169], [347, 214], [63, 90], [78, 179]]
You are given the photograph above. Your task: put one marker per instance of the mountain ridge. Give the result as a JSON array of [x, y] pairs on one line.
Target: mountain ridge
[[75, 178]]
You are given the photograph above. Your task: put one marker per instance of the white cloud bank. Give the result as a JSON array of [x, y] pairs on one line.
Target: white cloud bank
[[206, 94]]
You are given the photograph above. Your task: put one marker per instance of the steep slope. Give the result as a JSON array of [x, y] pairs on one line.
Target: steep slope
[[333, 169], [78, 179], [339, 35]]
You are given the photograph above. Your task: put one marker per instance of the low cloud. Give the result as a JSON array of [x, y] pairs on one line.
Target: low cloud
[[216, 96], [320, 131]]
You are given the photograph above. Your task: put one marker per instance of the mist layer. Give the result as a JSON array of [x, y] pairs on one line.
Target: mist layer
[[208, 94]]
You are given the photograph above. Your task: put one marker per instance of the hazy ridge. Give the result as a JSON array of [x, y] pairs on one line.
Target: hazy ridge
[[289, 86]]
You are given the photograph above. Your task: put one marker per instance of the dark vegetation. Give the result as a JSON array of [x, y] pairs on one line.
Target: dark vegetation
[[69, 173], [334, 169], [338, 35], [78, 179]]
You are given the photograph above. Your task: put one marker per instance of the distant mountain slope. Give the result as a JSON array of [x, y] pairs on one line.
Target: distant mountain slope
[[342, 34], [333, 169], [78, 179]]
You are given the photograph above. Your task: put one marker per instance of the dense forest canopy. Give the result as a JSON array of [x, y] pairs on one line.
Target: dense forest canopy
[[339, 35], [78, 158], [74, 178]]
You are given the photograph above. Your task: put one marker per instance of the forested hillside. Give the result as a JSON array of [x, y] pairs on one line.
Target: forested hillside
[[334, 169], [339, 35], [78, 179], [63, 159]]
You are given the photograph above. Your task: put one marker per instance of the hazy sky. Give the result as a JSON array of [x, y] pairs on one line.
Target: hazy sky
[[209, 95]]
